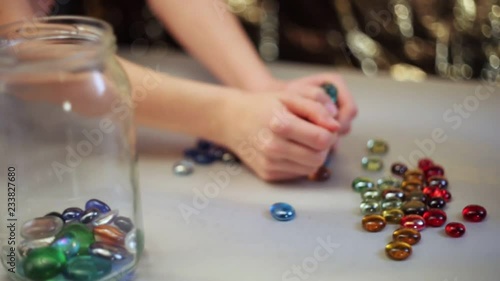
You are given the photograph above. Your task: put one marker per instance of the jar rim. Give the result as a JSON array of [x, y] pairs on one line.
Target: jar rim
[[95, 33]]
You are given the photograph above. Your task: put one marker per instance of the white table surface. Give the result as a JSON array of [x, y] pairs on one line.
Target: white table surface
[[232, 237]]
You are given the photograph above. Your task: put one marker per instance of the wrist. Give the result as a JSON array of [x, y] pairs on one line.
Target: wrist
[[265, 84]]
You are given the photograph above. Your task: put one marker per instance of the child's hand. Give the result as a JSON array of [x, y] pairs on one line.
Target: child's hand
[[278, 136]]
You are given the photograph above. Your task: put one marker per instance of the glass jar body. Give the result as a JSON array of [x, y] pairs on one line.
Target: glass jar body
[[70, 206]]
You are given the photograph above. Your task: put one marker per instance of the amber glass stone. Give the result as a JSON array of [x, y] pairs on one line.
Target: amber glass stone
[[393, 216], [393, 193], [425, 163], [435, 217], [443, 193], [411, 185], [399, 169], [438, 181], [322, 174], [413, 221], [373, 223], [398, 250], [388, 182], [109, 234], [434, 171], [407, 235], [416, 195], [436, 203], [414, 207], [474, 213], [455, 229], [414, 174]]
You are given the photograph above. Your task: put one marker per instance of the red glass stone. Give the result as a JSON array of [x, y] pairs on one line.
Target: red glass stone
[[425, 163], [429, 190], [434, 171], [438, 181], [455, 229], [474, 213], [435, 217], [413, 221], [443, 193], [399, 169]]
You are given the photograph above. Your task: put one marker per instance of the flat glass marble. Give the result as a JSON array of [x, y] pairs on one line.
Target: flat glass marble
[[80, 233], [86, 268], [434, 171], [393, 216], [40, 228], [436, 203], [282, 211], [438, 181], [44, 263], [415, 174], [399, 169], [331, 91], [413, 221], [407, 235], [393, 193], [411, 185], [67, 245], [369, 207], [398, 250], [455, 229], [414, 207], [361, 184], [391, 203], [183, 168], [416, 195], [388, 182], [474, 213], [373, 223], [321, 175], [435, 217], [443, 193], [425, 163], [97, 204], [377, 146], [371, 194], [109, 234], [372, 164]]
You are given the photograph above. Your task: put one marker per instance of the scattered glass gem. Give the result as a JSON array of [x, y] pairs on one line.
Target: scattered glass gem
[[124, 224], [204, 145], [388, 182], [437, 181], [369, 207], [455, 229], [109, 234], [101, 206], [71, 214], [204, 158], [443, 193], [282, 211], [435, 217], [425, 163], [217, 152], [361, 184], [372, 164], [44, 263], [373, 223], [407, 235], [87, 268], [414, 207], [42, 227], [331, 91], [108, 252], [377, 146], [399, 169], [322, 174], [436, 203], [414, 174], [328, 159], [398, 250], [413, 221], [131, 241], [106, 218], [55, 214], [67, 245], [434, 171], [391, 203], [416, 195], [393, 193], [183, 168], [191, 153], [90, 215], [474, 213], [371, 194], [26, 246], [429, 190], [228, 157], [393, 216], [411, 185], [80, 233]]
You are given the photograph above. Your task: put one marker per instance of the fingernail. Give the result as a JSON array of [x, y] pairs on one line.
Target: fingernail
[[332, 109]]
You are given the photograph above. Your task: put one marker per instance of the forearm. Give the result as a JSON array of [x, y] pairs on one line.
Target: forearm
[[214, 36]]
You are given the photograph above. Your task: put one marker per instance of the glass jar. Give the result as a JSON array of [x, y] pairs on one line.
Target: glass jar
[[70, 206]]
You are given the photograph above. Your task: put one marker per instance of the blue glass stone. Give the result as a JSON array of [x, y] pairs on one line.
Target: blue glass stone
[[67, 244], [90, 215], [282, 212], [101, 206], [124, 224], [217, 152], [204, 145], [191, 153], [328, 159], [331, 90], [105, 218], [204, 158], [71, 214]]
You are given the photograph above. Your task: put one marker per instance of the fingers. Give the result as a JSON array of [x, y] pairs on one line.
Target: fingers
[[280, 148], [317, 94], [278, 170], [312, 111]]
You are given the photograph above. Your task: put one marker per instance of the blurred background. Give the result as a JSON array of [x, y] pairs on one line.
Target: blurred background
[[409, 39]]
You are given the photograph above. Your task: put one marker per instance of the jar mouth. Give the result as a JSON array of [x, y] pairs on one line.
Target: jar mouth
[[59, 43]]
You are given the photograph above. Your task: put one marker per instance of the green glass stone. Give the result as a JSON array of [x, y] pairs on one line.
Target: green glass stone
[[372, 164], [331, 91], [388, 182], [361, 184], [81, 235], [377, 146], [44, 263], [369, 207], [87, 268], [371, 194], [391, 203]]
